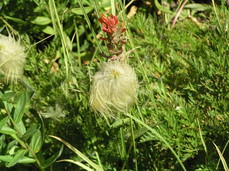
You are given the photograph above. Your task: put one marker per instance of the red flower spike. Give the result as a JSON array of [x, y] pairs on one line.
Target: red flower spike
[[110, 24], [115, 39]]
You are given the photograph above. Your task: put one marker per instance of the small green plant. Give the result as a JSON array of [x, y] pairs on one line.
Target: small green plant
[[21, 142]]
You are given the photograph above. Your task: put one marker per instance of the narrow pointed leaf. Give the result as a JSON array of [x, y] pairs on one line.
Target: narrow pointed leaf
[[79, 11], [7, 130], [36, 142], [3, 122], [40, 20], [19, 155], [20, 107], [7, 95], [160, 7], [26, 160], [5, 158]]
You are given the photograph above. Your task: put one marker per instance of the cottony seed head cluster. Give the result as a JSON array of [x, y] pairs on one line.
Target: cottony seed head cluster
[[12, 58], [114, 88]]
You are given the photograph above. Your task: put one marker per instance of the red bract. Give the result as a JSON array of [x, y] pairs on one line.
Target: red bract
[[115, 39], [110, 24]]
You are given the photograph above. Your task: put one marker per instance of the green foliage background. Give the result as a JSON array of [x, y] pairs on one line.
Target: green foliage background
[[183, 94]]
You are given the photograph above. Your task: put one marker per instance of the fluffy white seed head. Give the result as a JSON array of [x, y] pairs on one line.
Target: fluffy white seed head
[[12, 58], [114, 88]]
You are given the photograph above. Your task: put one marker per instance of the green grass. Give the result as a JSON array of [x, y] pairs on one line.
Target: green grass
[[181, 119]]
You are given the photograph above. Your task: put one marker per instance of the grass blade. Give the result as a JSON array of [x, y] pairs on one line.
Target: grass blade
[[222, 154], [81, 155], [76, 163], [221, 158], [89, 25], [201, 137], [57, 26]]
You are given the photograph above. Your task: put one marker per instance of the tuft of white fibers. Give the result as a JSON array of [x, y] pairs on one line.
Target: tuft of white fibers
[[12, 58], [114, 88], [54, 112]]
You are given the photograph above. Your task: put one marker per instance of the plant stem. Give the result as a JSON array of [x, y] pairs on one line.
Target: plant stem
[[178, 12]]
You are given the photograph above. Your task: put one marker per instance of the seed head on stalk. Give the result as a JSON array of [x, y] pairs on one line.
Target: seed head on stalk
[[115, 39], [114, 87]]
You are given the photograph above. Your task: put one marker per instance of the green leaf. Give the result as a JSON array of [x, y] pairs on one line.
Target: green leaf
[[17, 20], [3, 142], [5, 158], [7, 95], [79, 11], [11, 144], [8, 106], [19, 140], [120, 122], [20, 154], [106, 4], [7, 130], [160, 7], [68, 41], [40, 120], [40, 20], [40, 157], [29, 132], [53, 158], [3, 122], [26, 160], [142, 131], [21, 127], [13, 149], [36, 141], [20, 107], [48, 30], [198, 7]]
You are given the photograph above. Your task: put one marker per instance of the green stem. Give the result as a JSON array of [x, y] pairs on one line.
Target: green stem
[[89, 25], [134, 144]]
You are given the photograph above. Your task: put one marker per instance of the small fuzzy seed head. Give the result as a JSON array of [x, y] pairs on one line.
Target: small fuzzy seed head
[[12, 58], [114, 88], [55, 113]]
